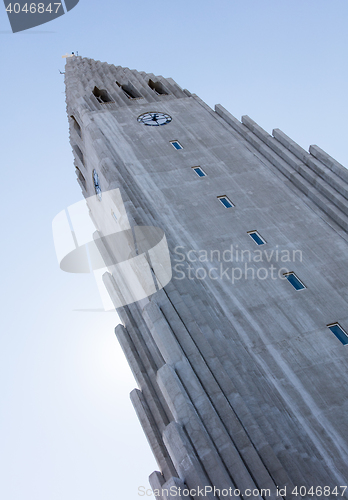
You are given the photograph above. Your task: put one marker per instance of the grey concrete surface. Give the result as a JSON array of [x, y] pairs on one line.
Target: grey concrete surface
[[241, 384]]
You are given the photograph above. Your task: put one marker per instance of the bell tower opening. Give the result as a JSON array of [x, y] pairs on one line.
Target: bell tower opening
[[157, 87], [101, 95]]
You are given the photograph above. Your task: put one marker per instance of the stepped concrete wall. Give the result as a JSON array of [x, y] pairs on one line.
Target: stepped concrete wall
[[241, 385]]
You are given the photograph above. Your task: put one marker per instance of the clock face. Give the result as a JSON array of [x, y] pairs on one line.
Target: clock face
[[97, 188], [154, 119]]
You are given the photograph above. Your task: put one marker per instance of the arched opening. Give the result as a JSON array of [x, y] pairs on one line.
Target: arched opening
[[78, 153], [129, 90], [80, 178], [101, 95], [76, 125], [157, 87]]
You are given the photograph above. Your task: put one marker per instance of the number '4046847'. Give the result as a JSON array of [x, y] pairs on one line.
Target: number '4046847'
[[33, 8], [319, 491]]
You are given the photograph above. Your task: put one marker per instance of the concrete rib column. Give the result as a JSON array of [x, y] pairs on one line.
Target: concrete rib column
[[156, 481], [212, 444], [152, 433], [224, 400], [171, 489], [185, 460]]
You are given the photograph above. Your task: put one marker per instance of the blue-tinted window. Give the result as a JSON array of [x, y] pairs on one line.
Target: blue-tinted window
[[339, 332], [199, 171], [293, 279], [176, 144], [256, 237], [225, 201]]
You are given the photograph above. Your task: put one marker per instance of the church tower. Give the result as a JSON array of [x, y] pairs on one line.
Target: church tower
[[240, 359]]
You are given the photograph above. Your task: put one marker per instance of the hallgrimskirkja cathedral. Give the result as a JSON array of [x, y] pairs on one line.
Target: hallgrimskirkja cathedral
[[240, 351]]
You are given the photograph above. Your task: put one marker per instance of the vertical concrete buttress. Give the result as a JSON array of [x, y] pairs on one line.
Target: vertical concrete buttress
[[241, 385]]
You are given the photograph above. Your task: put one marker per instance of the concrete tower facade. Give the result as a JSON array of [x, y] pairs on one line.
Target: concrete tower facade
[[240, 360]]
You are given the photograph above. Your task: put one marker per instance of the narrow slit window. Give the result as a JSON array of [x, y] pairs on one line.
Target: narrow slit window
[[199, 171], [294, 280], [338, 331], [176, 145], [227, 203], [256, 237]]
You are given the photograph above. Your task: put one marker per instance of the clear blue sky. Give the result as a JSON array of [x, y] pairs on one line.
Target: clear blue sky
[[67, 429]]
